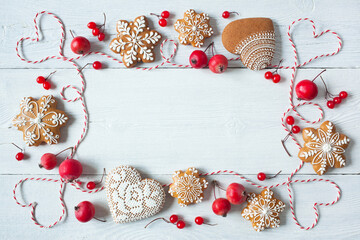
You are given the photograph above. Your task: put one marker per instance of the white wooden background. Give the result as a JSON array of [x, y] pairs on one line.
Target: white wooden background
[[170, 119]]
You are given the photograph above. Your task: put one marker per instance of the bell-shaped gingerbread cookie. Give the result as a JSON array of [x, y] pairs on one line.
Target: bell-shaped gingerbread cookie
[[253, 39]]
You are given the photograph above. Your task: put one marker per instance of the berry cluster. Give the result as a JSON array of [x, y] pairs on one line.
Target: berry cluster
[[274, 75], [162, 18], [98, 30], [294, 129], [180, 224], [218, 63], [44, 81], [226, 14], [336, 100]]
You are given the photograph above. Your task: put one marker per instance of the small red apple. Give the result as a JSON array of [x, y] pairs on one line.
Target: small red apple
[[221, 206], [198, 59], [218, 63], [80, 45], [84, 211], [70, 169], [306, 90], [235, 193]]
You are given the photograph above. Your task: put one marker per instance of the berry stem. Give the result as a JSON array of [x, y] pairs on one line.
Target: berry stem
[[102, 177], [103, 25], [50, 74], [100, 220], [278, 66], [71, 33], [319, 74], [83, 68], [164, 219], [155, 15], [327, 93], [235, 13], [211, 44], [210, 224], [274, 175], [65, 150], [22, 150]]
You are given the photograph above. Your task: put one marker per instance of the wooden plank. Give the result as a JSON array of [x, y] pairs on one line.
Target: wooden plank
[[164, 120], [343, 214], [17, 22]]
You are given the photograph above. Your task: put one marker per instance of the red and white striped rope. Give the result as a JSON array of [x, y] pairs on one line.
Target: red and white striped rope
[[167, 60]]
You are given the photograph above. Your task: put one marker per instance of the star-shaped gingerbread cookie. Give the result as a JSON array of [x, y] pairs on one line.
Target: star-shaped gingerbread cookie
[[188, 187], [135, 41], [39, 120], [324, 147], [193, 28], [263, 210]]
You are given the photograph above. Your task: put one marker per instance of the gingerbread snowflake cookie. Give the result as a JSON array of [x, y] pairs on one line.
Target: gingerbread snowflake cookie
[[188, 187], [193, 28], [324, 147], [39, 120], [131, 198], [135, 41], [263, 210]]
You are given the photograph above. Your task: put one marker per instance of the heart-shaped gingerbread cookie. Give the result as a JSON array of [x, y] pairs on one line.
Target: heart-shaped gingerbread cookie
[[130, 198]]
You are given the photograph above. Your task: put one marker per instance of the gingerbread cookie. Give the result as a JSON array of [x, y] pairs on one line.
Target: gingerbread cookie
[[130, 198], [193, 28], [188, 187], [263, 210], [135, 41], [253, 39], [324, 147], [40, 121]]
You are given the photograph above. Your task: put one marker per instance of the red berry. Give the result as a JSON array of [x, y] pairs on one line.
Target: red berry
[[261, 176], [91, 185], [173, 218], [276, 78], [218, 63], [101, 36], [40, 79], [295, 129], [198, 59], [97, 65], [343, 94], [48, 161], [221, 206], [70, 169], [306, 90], [19, 156], [95, 31], [330, 104], [290, 120], [46, 85], [165, 14], [337, 100], [91, 25], [226, 14], [235, 193], [180, 224], [80, 45], [162, 22], [268, 75], [84, 211], [199, 220]]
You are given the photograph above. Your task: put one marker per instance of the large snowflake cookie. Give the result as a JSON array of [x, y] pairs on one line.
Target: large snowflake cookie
[[324, 147], [135, 41], [193, 28], [263, 210], [188, 187], [130, 198], [39, 120]]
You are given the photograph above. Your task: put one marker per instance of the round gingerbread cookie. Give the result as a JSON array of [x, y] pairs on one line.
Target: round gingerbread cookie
[[253, 39]]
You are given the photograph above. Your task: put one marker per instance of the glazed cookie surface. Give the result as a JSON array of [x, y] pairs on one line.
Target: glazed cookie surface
[[188, 187], [135, 41], [131, 198], [40, 121], [193, 28], [324, 147], [263, 210]]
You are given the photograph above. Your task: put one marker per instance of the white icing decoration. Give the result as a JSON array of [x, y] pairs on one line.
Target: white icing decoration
[[264, 210], [195, 28], [39, 120], [130, 198], [325, 148], [257, 50], [131, 41]]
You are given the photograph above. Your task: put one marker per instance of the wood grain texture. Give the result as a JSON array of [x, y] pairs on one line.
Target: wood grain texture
[[171, 118]]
